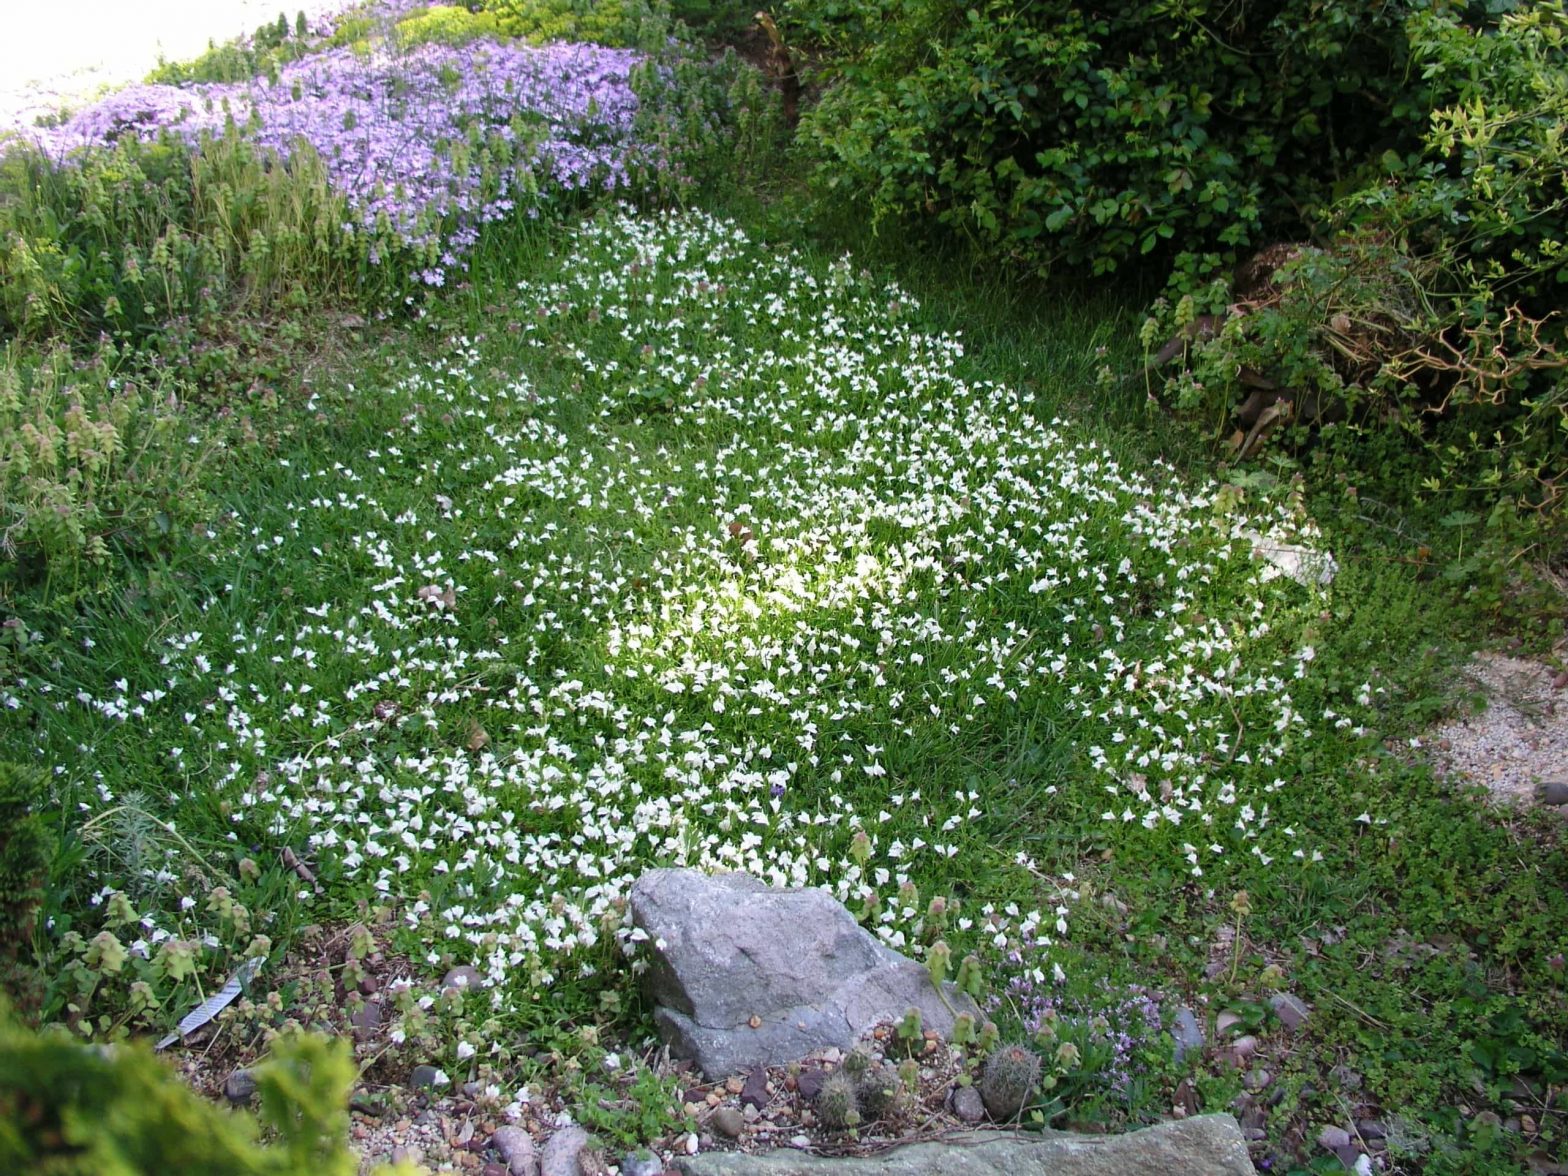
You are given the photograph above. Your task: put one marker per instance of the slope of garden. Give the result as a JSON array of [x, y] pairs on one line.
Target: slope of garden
[[424, 507]]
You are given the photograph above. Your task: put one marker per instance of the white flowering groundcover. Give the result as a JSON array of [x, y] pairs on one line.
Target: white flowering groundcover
[[717, 558]]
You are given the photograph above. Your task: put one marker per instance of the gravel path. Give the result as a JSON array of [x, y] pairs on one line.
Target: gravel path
[[64, 51]]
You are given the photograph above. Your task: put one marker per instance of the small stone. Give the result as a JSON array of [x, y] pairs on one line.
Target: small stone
[[423, 1077], [1257, 1079], [464, 978], [1371, 1129], [728, 1121], [1226, 1020], [366, 1020], [1552, 792], [1187, 1032], [1333, 1138], [800, 1141], [1345, 1078], [408, 1154], [517, 1149], [495, 1170], [734, 1084], [809, 1084], [239, 1086], [755, 1091], [1244, 1046], [642, 1163], [562, 1154], [1353, 1160], [1254, 1134], [967, 1104], [1291, 1010]]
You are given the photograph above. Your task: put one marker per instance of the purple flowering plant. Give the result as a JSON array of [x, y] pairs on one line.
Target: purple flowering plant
[[425, 146]]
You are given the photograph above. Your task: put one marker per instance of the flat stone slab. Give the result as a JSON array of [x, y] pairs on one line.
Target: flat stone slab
[[743, 974], [1206, 1145]]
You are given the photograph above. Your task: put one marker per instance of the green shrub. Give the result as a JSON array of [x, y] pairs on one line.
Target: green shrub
[[90, 460], [444, 24], [1054, 133], [68, 1108], [1431, 310], [618, 23], [24, 855]]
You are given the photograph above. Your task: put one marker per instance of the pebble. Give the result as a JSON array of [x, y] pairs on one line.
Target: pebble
[[728, 1121], [1333, 1138], [809, 1084], [967, 1104], [408, 1154], [495, 1170], [562, 1154], [643, 1163], [464, 977], [1371, 1129], [517, 1149], [423, 1077], [366, 1020], [800, 1141], [734, 1084], [1226, 1020], [1291, 1010], [755, 1092], [1244, 1046], [1552, 791], [1187, 1032], [1254, 1134], [239, 1086], [1257, 1079], [1345, 1078]]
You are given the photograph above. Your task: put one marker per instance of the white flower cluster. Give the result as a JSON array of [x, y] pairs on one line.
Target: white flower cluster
[[675, 598]]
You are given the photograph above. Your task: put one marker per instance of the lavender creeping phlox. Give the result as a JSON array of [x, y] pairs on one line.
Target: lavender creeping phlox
[[425, 145]]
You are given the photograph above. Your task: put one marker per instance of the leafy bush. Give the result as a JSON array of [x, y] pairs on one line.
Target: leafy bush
[[643, 24], [71, 1108], [24, 857], [444, 24], [1431, 310], [1052, 133], [89, 460]]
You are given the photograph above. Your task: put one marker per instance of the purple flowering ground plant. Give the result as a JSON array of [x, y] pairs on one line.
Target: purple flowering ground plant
[[425, 145]]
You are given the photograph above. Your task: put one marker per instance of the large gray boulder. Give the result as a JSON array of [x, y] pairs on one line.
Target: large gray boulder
[[1208, 1145], [745, 975]]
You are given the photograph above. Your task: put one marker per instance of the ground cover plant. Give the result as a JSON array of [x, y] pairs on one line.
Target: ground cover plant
[[685, 548], [659, 538]]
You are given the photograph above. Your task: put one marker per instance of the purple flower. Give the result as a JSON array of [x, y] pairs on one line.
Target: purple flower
[[424, 146]]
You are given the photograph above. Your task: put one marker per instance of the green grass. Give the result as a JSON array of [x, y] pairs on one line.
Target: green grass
[[662, 543]]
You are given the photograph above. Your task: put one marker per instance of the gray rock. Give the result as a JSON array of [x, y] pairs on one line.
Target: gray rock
[[464, 978], [728, 1121], [1257, 1079], [1291, 1010], [1371, 1129], [563, 1151], [517, 1149], [1345, 1078], [423, 1077], [1333, 1138], [1187, 1032], [1208, 1145], [1552, 791], [239, 1086], [1244, 1046], [749, 975], [366, 1020], [1226, 1021], [755, 1092], [643, 1163], [967, 1104]]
